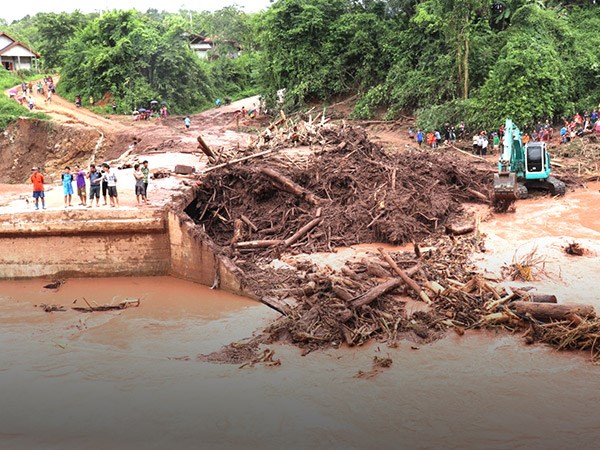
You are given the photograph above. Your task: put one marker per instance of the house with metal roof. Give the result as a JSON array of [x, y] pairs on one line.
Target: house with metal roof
[[15, 55]]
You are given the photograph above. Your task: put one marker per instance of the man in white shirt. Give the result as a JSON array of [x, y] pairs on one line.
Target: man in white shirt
[[111, 180]]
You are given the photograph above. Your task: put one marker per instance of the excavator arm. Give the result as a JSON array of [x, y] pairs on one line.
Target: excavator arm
[[510, 164]]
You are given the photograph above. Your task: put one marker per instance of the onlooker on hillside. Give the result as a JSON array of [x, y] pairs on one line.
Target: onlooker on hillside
[[111, 180], [67, 181], [95, 181], [139, 184], [476, 145], [31, 102], [419, 137], [80, 179], [38, 187], [496, 142], [187, 122], [146, 171], [437, 139]]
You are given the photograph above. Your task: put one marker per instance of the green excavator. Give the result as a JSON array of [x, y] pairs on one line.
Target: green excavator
[[523, 167]]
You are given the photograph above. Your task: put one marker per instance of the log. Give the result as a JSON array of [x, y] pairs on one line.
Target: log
[[258, 244], [249, 223], [479, 195], [551, 311], [301, 232], [537, 298], [459, 230], [376, 292], [235, 161], [404, 276], [182, 169], [375, 270], [205, 148], [342, 293], [284, 183], [467, 153], [122, 305]]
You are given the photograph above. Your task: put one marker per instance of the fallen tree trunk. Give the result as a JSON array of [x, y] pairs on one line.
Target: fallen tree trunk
[[235, 161], [479, 195], [467, 153], [302, 231], [458, 230], [249, 223], [122, 305], [376, 292], [205, 148], [284, 183], [258, 244], [537, 298], [551, 311], [403, 275]]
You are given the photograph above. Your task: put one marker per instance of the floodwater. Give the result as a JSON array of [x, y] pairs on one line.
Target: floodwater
[[122, 380], [543, 227]]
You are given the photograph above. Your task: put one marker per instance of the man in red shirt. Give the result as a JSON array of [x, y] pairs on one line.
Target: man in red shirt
[[38, 187]]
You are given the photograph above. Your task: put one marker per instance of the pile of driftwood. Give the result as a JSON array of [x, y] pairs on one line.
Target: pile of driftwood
[[366, 300], [348, 191], [578, 161]]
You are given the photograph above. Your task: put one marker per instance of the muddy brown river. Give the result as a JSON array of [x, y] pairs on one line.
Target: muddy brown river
[[123, 380]]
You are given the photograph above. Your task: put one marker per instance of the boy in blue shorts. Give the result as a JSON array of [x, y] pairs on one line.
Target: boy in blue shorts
[[67, 181]]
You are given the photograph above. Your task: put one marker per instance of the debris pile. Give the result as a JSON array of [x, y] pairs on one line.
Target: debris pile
[[367, 300], [346, 192]]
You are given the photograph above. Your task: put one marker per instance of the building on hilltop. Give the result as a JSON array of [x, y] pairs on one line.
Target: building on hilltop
[[201, 45], [15, 55], [206, 48]]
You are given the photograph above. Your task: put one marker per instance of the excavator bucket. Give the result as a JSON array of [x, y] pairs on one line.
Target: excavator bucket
[[505, 187]]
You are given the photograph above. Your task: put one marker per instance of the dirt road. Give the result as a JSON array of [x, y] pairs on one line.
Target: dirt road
[[164, 143]]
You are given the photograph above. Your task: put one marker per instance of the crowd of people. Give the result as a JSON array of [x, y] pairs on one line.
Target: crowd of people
[[483, 142], [102, 183], [25, 96]]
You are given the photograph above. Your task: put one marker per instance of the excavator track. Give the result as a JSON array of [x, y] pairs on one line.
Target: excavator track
[[553, 185], [556, 187]]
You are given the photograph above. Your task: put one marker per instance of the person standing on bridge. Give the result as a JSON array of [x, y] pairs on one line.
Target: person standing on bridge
[[38, 188], [111, 181], [67, 181], [95, 180], [80, 178], [146, 171], [139, 184]]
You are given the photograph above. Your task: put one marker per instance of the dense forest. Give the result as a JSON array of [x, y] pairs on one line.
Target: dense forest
[[442, 60]]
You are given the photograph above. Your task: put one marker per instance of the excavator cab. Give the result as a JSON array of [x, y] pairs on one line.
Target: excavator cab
[[522, 167]]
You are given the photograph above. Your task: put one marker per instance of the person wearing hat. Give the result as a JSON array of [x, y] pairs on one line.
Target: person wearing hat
[[38, 187]]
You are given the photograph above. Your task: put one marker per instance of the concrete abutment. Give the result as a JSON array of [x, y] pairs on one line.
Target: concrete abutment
[[116, 242]]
